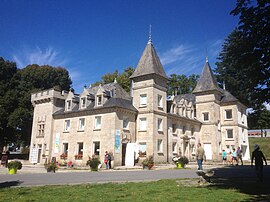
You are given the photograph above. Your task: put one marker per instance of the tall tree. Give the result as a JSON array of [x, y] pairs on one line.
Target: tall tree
[[122, 79], [245, 57], [16, 87], [181, 84], [244, 62]]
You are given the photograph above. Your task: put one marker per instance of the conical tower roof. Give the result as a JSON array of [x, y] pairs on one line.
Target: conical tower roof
[[207, 81], [149, 63]]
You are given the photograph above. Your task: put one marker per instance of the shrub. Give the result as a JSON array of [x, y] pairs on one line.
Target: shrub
[[14, 165], [93, 162]]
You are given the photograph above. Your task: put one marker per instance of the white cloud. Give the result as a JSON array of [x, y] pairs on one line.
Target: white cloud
[[189, 59], [48, 56]]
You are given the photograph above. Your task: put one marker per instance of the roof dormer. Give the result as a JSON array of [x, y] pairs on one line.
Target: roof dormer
[[71, 101]]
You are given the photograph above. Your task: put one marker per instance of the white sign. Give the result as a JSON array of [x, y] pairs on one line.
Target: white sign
[[34, 155]]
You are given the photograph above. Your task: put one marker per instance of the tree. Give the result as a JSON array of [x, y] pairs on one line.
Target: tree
[[122, 79], [244, 61], [16, 86], [181, 84]]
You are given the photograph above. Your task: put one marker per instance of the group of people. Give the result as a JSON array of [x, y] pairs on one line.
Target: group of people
[[232, 158], [108, 160], [235, 157]]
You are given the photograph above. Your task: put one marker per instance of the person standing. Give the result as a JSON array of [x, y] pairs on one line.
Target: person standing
[[259, 157], [239, 155], [106, 160], [200, 156]]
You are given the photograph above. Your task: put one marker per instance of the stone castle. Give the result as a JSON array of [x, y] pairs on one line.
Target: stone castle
[[145, 122]]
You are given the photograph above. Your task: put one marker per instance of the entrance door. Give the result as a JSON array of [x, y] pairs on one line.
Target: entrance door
[[39, 152], [208, 151], [124, 148]]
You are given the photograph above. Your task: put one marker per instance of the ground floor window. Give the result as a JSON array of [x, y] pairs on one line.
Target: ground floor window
[[79, 154], [96, 146], [142, 149]]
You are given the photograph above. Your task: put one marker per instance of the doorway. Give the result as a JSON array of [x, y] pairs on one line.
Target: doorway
[[124, 148], [39, 152], [208, 151]]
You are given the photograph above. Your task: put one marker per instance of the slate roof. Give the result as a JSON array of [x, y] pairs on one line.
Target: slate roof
[[118, 98], [149, 63], [207, 81], [228, 97]]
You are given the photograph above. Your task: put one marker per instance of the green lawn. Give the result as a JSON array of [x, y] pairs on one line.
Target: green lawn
[[264, 144], [163, 190]]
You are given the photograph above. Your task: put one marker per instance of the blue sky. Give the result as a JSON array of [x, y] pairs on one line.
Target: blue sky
[[92, 38]]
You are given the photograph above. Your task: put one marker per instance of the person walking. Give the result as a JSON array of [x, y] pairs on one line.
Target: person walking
[[259, 157], [200, 156], [224, 156], [239, 155], [234, 157]]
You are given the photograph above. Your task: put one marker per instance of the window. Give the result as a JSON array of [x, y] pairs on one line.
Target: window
[[81, 124], [160, 125], [41, 127], [98, 122], [206, 116], [67, 125], [143, 100], [184, 130], [125, 122], [143, 124], [83, 103], [79, 151], [160, 101], [228, 114], [174, 147], [229, 133], [68, 105], [65, 148], [159, 146], [99, 100], [142, 149], [96, 148], [174, 128]]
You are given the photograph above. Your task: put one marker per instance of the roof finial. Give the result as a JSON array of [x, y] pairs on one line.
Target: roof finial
[[224, 87], [150, 34], [206, 58]]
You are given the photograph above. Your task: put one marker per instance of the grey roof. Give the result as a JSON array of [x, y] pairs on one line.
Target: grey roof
[[228, 97], [207, 81], [149, 63], [119, 98], [189, 97]]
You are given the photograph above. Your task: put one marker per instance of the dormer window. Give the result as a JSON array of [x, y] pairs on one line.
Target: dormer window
[[68, 105], [99, 100], [83, 103]]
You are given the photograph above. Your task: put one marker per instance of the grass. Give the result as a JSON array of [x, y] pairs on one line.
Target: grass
[[264, 144], [163, 190]]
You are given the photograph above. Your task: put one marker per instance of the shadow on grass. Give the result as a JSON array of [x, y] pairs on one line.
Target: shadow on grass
[[9, 184], [243, 179]]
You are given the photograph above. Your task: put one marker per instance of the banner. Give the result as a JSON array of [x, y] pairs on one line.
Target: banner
[[57, 142], [117, 142]]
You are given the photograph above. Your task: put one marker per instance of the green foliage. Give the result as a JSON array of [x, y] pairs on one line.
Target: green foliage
[[259, 119], [264, 144], [180, 159], [122, 79], [51, 167], [245, 58], [14, 165], [181, 84], [16, 86], [93, 162]]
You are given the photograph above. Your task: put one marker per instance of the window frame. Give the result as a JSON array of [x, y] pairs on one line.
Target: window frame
[[67, 125], [96, 126], [159, 146], [227, 134], [204, 116], [80, 124], [143, 119], [228, 112], [160, 101], [143, 100]]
